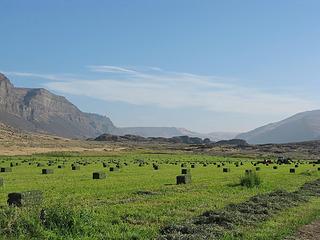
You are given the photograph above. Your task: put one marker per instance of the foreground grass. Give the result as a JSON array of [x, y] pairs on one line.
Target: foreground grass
[[229, 220], [115, 208]]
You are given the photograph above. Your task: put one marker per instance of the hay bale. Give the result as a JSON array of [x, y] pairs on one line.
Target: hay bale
[[118, 165], [99, 175], [47, 171], [75, 167], [292, 170], [6, 169], [156, 167], [185, 171], [226, 169], [28, 198], [183, 179], [114, 169], [105, 165]]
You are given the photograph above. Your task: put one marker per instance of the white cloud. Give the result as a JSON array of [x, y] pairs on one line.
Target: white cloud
[[110, 69], [156, 87]]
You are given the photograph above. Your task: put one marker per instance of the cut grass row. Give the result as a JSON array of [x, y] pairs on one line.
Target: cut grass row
[[227, 221]]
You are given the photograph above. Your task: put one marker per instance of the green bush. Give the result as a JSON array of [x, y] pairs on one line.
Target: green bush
[[20, 223], [250, 179], [67, 220]]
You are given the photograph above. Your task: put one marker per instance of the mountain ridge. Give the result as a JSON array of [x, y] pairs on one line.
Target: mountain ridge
[[39, 110]]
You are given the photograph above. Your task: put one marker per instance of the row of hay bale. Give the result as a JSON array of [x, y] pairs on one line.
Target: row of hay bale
[[142, 163], [156, 166], [185, 177]]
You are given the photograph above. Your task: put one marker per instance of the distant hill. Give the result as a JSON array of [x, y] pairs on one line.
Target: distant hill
[[149, 131], [301, 127], [168, 132]]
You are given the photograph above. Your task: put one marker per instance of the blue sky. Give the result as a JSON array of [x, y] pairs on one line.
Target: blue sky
[[203, 65]]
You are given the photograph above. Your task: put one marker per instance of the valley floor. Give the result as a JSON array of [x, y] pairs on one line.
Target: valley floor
[[139, 202]]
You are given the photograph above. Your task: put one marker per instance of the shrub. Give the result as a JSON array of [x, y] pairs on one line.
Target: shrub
[[20, 223], [53, 222], [250, 179], [66, 219]]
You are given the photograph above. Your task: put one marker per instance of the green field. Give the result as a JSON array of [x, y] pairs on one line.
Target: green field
[[137, 201]]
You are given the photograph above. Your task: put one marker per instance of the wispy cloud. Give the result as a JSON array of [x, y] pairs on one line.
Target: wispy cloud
[[111, 69], [156, 87], [33, 75]]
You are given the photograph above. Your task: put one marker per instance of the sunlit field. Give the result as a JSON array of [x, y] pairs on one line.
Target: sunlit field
[[137, 201]]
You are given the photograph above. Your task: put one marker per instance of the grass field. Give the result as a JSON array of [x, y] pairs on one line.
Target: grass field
[[138, 201]]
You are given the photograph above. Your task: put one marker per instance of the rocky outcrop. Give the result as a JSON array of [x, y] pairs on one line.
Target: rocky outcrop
[[135, 138], [233, 142], [43, 111], [174, 140]]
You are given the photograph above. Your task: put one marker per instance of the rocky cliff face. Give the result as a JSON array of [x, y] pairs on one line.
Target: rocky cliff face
[[41, 110]]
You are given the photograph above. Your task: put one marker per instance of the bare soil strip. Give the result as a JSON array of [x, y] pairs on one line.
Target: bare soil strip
[[308, 232]]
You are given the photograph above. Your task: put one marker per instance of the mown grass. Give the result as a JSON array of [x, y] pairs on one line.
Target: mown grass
[[227, 221], [114, 209]]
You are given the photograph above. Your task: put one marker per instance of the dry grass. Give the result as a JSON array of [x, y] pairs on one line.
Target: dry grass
[[14, 142]]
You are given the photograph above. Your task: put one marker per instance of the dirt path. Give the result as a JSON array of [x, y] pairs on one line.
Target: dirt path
[[308, 232]]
